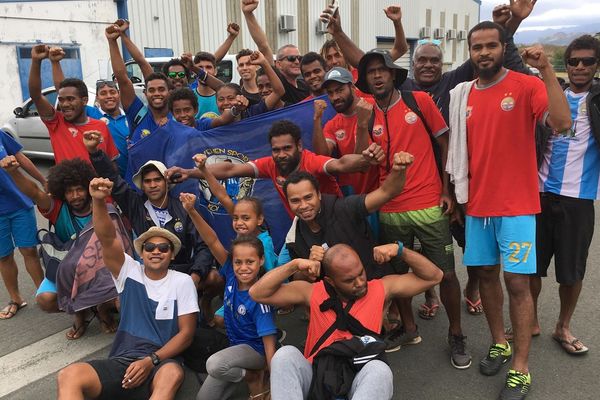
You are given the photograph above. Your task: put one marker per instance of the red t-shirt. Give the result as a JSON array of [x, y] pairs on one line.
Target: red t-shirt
[[341, 131], [67, 138], [501, 143], [310, 162], [368, 310], [423, 186]]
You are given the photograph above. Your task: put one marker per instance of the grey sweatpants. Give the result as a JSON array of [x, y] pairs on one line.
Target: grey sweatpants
[[226, 368], [291, 375]]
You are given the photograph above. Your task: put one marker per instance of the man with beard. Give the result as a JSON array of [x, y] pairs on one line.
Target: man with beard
[[345, 281], [312, 68], [326, 220], [339, 133], [568, 185], [177, 73], [66, 127], [494, 169], [287, 156], [69, 209]]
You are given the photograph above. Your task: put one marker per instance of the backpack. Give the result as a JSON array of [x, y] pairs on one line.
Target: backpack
[[52, 251]]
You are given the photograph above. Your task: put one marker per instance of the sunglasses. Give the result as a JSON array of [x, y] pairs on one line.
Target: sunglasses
[[162, 247], [587, 61], [434, 42], [179, 74], [104, 82], [291, 58]]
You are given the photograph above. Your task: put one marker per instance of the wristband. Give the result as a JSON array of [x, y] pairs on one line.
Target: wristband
[[234, 111], [400, 248], [202, 75]]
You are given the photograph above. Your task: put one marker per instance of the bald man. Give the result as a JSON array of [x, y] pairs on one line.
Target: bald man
[[345, 279]]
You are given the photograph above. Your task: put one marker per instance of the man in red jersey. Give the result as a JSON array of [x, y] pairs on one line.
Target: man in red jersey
[[493, 165]]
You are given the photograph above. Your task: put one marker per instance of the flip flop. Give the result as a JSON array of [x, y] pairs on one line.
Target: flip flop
[[576, 344], [8, 313], [473, 307], [77, 332], [428, 311]]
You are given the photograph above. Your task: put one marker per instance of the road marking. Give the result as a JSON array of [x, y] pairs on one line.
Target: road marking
[[46, 357]]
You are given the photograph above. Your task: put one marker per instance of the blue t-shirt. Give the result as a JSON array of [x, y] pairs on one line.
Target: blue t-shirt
[[270, 255], [246, 321], [11, 198], [255, 109], [119, 130], [204, 124], [140, 120], [206, 104]]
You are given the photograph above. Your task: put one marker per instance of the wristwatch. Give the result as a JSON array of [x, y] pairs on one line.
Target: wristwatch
[[234, 111], [155, 359]]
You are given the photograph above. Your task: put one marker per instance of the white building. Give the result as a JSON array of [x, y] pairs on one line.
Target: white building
[[169, 27]]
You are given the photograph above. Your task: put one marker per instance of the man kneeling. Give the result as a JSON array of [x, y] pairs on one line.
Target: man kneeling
[[158, 316], [344, 279]]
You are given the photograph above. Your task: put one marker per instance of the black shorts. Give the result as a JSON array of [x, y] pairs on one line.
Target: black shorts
[[564, 230], [111, 372]]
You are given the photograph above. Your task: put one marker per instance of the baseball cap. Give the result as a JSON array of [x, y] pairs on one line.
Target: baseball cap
[[338, 74]]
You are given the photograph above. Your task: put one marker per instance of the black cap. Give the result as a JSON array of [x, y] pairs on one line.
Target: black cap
[[400, 73]]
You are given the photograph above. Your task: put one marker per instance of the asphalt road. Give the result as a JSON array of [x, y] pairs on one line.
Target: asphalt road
[[34, 348]]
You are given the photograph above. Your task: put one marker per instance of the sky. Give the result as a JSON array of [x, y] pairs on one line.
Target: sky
[[552, 13]]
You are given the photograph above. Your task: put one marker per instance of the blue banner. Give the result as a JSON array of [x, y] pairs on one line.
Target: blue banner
[[175, 144]]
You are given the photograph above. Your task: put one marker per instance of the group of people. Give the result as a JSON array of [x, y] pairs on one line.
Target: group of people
[[403, 166]]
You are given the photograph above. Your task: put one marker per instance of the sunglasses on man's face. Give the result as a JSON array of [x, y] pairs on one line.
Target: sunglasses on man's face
[[179, 74], [586, 61], [291, 58], [162, 247]]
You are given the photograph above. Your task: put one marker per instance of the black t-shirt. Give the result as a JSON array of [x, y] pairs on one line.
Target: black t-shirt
[[293, 94], [342, 221], [253, 98]]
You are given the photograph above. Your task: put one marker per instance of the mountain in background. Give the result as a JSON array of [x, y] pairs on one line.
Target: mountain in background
[[559, 37]]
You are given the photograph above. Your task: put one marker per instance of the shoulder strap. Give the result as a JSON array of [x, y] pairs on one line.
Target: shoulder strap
[[371, 123], [329, 331], [411, 102], [137, 119]]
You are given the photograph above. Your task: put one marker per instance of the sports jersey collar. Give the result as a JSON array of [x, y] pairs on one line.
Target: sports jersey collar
[[574, 95], [121, 114], [489, 85], [392, 104], [152, 213]]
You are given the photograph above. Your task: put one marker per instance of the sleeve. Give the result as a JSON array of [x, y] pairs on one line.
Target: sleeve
[[257, 109], [226, 269], [53, 123], [262, 167], [93, 112], [432, 114], [512, 59], [329, 132], [316, 164], [284, 256], [204, 124], [52, 213], [187, 297], [126, 268], [263, 319], [11, 146], [270, 256], [355, 206], [132, 111], [539, 98]]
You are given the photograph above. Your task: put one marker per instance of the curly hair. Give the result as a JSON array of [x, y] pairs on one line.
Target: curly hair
[[585, 42], [285, 127], [69, 173]]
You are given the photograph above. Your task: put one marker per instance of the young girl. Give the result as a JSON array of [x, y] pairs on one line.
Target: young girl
[[250, 326]]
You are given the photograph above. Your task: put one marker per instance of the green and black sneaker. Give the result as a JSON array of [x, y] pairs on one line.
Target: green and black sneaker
[[498, 355], [516, 387]]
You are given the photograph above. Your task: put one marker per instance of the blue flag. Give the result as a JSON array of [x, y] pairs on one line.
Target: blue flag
[[175, 144]]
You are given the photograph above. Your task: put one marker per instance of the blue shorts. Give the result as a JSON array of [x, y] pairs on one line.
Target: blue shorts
[[47, 286], [17, 229], [513, 238]]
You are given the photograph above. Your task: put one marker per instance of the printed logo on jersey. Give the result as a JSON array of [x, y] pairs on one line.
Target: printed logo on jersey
[[410, 117], [582, 110], [341, 134], [145, 132], [508, 102], [73, 131], [178, 227], [236, 187], [241, 309], [378, 130]]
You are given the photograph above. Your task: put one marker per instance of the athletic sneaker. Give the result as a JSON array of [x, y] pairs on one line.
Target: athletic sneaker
[[516, 387], [498, 355], [398, 337], [459, 357]]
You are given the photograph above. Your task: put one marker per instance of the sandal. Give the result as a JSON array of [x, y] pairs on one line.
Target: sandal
[[260, 396], [473, 307], [77, 332], [573, 347], [7, 312], [428, 311]]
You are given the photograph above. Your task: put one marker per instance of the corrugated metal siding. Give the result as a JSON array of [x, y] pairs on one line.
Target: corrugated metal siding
[[213, 24], [156, 23], [287, 7], [315, 40]]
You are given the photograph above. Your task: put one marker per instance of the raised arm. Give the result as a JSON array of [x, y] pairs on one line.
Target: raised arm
[[393, 184], [11, 165], [55, 54], [271, 289], [30, 168], [364, 113], [394, 13], [223, 170], [257, 58], [213, 184], [373, 155], [320, 144], [519, 10], [258, 35], [424, 273], [206, 232], [44, 108], [233, 30], [512, 60], [559, 113], [352, 54], [136, 54], [118, 66], [112, 249]]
